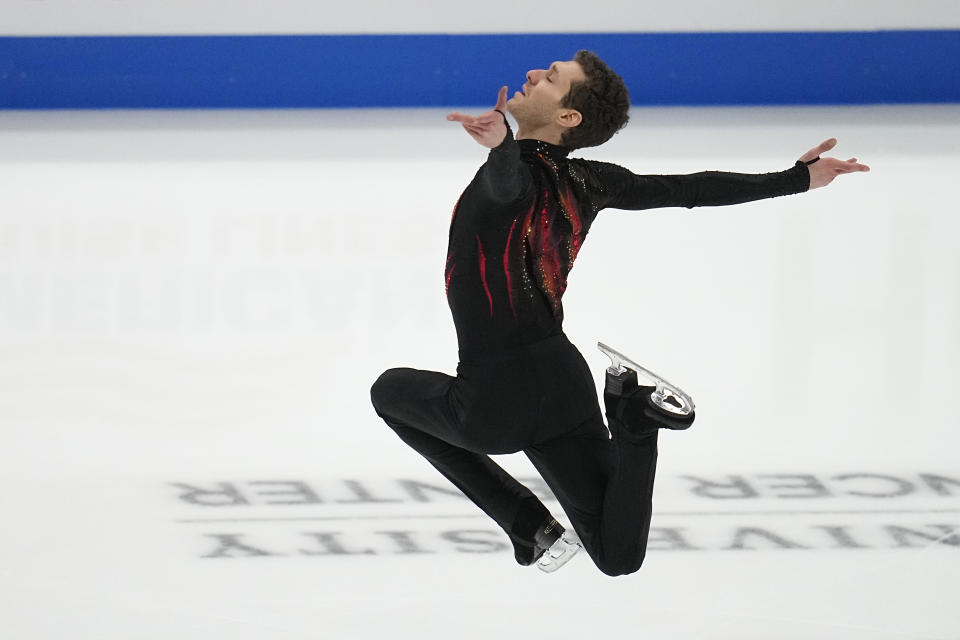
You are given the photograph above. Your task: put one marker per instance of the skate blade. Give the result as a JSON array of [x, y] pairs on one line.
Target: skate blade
[[668, 397], [560, 552]]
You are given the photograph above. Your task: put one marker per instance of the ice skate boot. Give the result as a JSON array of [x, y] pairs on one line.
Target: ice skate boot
[[642, 409], [555, 546]]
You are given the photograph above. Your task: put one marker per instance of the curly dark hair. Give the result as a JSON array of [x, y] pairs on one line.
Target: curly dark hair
[[602, 99]]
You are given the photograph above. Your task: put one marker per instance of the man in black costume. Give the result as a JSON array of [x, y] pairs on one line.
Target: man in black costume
[[520, 384]]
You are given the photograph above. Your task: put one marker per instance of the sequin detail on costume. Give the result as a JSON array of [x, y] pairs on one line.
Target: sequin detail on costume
[[552, 232]]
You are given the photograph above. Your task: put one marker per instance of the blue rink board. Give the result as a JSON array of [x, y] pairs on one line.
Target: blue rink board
[[347, 71]]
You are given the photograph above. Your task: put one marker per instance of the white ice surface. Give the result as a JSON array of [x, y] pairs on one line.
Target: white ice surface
[[205, 298]]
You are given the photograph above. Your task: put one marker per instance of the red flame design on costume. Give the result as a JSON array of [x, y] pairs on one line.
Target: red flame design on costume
[[550, 237], [483, 273], [449, 269], [506, 268]]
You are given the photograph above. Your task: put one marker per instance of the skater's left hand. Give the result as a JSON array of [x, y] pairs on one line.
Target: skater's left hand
[[824, 170], [490, 128]]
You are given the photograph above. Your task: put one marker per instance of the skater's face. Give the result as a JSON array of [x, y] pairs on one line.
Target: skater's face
[[538, 103]]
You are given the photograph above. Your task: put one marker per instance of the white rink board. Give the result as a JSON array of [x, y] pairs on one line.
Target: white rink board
[[207, 17]]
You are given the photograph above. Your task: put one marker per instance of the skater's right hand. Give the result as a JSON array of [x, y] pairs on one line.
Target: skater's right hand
[[490, 128]]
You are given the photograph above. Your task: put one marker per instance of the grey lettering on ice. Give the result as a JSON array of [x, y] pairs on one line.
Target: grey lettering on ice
[[794, 512]]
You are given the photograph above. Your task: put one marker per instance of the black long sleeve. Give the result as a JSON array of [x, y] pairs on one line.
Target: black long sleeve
[[521, 221], [504, 177], [627, 190]]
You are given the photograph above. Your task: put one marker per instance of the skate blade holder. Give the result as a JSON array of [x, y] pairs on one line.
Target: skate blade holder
[[560, 552], [667, 397]]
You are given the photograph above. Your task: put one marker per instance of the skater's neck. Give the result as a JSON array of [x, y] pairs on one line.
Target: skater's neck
[[544, 134], [543, 147]]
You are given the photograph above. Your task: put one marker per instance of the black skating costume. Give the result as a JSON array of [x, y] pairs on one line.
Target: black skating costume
[[521, 385]]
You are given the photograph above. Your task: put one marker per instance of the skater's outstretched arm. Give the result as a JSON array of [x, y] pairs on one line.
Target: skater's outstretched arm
[[504, 177], [627, 190]]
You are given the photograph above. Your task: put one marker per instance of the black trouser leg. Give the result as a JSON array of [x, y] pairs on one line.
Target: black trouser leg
[[418, 407], [606, 488], [628, 504]]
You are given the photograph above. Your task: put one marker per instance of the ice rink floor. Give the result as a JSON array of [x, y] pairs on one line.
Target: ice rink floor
[[193, 307]]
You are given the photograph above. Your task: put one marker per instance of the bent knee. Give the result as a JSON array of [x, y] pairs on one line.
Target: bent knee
[[384, 390], [620, 567]]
